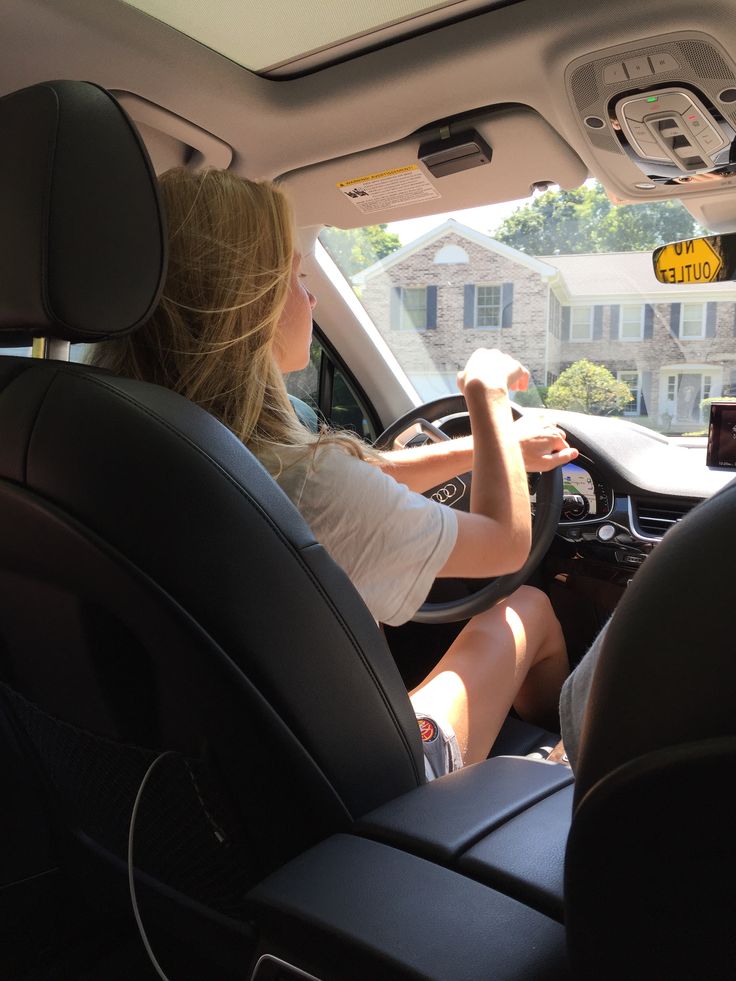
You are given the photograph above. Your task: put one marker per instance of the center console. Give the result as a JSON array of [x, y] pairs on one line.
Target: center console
[[460, 878]]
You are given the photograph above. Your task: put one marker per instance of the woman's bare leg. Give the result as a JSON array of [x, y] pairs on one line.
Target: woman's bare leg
[[513, 654]]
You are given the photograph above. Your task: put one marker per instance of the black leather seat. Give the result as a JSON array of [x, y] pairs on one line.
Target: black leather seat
[[651, 859], [162, 603], [158, 590]]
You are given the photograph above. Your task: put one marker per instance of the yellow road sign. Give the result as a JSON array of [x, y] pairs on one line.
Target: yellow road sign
[[693, 261]]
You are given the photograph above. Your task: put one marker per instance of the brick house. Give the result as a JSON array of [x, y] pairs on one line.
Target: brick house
[[454, 289]]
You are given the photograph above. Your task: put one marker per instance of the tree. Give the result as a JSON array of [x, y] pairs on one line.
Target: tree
[[354, 249], [584, 220], [591, 388]]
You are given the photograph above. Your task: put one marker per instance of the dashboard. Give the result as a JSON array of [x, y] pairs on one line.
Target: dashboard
[[628, 486], [585, 493]]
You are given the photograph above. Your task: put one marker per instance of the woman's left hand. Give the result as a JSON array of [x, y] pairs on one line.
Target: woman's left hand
[[543, 445]]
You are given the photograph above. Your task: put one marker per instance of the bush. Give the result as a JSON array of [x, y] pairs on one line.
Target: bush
[[591, 388], [535, 398], [706, 404]]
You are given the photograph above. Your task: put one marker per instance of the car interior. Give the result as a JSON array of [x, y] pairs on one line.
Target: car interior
[[211, 764]]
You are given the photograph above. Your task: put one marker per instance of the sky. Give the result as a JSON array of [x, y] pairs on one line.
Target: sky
[[485, 219]]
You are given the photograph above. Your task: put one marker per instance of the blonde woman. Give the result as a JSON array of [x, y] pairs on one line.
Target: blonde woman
[[236, 315]]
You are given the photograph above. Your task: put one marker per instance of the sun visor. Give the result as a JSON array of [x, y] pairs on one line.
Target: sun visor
[[390, 183]]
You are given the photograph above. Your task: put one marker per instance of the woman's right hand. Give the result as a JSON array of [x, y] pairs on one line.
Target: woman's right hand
[[494, 538], [494, 370]]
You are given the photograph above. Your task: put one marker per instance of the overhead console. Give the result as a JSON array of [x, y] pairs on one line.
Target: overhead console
[[674, 126], [662, 112]]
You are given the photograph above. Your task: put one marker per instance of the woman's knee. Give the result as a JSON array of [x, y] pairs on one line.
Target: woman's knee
[[528, 615], [532, 599], [528, 603]]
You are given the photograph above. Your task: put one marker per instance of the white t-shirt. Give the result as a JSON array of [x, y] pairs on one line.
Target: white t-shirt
[[390, 541]]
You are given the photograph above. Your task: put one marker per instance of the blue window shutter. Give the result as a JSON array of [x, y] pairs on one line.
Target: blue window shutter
[[615, 319], [469, 306], [507, 304], [646, 388], [649, 321], [396, 307], [565, 323], [710, 319], [597, 322], [675, 319], [431, 307]]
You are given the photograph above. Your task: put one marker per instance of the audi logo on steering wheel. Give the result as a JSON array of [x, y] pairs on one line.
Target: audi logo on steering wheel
[[450, 493]]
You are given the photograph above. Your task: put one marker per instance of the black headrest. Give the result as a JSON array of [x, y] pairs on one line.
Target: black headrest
[[83, 246]]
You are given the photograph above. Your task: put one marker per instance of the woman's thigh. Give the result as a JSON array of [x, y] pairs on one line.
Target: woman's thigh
[[478, 679]]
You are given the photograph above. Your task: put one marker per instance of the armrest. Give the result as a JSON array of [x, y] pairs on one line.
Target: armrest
[[355, 908], [504, 822], [442, 819]]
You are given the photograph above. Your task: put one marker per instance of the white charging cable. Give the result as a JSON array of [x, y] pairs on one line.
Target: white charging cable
[[131, 877]]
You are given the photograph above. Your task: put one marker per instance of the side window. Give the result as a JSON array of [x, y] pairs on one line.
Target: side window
[[77, 352], [16, 352], [326, 388], [347, 412], [304, 384]]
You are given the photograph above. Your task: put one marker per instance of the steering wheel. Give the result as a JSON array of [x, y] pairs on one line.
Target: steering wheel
[[544, 524]]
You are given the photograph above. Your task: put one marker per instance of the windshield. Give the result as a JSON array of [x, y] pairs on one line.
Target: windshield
[[564, 282]]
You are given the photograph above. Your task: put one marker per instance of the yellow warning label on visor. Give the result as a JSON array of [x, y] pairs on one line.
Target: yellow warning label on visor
[[389, 189]]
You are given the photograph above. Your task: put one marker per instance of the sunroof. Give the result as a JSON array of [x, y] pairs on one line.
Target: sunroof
[[300, 34]]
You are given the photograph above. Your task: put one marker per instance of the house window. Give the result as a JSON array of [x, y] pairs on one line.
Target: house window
[[450, 255], [692, 321], [671, 387], [631, 378], [413, 308], [632, 322], [488, 306], [707, 386], [581, 321]]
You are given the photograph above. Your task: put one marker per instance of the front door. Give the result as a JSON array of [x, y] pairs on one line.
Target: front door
[[689, 394]]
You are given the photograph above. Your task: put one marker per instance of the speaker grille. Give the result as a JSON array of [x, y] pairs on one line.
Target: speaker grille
[[604, 141], [584, 86], [705, 60]]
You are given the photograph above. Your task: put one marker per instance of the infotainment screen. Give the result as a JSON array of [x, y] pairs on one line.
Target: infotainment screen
[[722, 436]]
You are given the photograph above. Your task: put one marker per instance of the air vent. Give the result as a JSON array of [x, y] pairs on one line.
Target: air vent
[[653, 519]]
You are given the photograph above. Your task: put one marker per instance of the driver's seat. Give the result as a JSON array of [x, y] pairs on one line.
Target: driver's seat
[[160, 594], [157, 588]]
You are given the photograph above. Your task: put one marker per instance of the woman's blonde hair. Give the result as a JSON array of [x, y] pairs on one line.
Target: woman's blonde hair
[[212, 336]]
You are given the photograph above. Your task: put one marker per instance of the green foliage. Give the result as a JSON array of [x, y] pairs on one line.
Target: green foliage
[[588, 387], [584, 220], [534, 398], [354, 249], [706, 404]]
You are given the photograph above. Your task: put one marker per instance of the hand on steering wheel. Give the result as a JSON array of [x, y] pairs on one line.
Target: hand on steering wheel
[[546, 517]]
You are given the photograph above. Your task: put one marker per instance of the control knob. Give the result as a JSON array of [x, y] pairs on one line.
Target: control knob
[[606, 532]]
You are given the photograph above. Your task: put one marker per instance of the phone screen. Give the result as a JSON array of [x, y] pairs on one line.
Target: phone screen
[[721, 453]]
